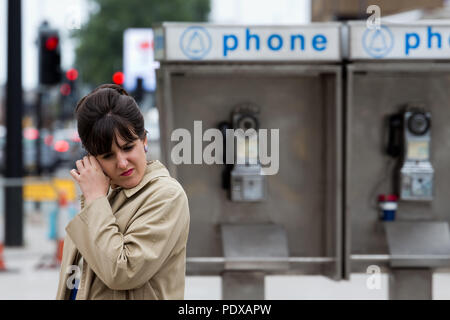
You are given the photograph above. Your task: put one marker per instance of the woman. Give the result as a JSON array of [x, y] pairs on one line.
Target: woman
[[129, 239]]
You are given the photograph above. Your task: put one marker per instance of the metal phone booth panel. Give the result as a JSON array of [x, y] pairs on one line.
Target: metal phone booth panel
[[248, 221], [397, 154]]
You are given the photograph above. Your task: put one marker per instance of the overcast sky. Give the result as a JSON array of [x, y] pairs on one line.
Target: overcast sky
[[66, 14]]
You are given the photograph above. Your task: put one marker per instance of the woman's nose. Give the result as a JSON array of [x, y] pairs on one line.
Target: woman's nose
[[122, 162]]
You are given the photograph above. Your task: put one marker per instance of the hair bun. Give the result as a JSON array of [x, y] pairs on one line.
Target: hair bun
[[116, 87]]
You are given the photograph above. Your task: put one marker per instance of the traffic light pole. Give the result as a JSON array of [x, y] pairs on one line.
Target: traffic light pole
[[40, 93], [39, 128], [14, 103]]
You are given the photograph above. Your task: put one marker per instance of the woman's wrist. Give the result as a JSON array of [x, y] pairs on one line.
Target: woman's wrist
[[88, 199]]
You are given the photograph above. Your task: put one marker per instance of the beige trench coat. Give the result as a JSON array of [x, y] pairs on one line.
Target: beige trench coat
[[133, 242]]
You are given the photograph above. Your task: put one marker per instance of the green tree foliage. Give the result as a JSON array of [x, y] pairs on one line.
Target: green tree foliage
[[100, 41]]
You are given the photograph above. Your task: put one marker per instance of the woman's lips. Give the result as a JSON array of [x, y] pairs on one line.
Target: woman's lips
[[127, 173]]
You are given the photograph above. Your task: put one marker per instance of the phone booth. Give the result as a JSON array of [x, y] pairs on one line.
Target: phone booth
[[397, 153], [251, 126]]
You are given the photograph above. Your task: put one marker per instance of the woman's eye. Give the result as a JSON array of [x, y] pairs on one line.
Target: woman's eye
[[128, 148], [107, 156]]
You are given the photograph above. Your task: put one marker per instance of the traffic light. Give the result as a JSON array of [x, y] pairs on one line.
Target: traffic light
[[69, 95], [72, 74], [68, 87], [118, 78], [49, 56]]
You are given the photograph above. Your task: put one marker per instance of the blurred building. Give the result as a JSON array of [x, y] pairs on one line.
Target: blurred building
[[332, 10], [260, 11]]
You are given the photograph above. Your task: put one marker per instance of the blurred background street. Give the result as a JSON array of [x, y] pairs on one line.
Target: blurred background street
[[54, 52]]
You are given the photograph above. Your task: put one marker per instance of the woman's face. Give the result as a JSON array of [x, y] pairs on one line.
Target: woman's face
[[126, 163]]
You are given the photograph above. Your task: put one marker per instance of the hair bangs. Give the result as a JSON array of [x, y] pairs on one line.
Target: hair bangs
[[105, 131], [125, 130]]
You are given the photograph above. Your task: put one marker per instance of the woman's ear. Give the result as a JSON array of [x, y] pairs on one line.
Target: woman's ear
[[145, 143]]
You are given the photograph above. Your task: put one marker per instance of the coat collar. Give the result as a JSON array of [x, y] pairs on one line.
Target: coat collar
[[154, 169]]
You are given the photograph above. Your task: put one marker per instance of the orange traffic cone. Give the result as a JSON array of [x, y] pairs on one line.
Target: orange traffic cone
[[59, 251], [2, 260]]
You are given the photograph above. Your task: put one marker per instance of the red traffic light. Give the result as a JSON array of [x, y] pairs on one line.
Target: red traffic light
[[48, 140], [146, 45], [61, 146], [31, 133], [118, 78], [72, 74], [49, 57], [65, 89], [51, 43]]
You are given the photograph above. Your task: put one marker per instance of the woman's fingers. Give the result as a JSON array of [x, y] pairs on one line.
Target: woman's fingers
[[74, 173], [94, 162], [86, 162], [80, 165], [91, 161]]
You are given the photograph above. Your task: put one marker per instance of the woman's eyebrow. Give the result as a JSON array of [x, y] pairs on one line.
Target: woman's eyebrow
[[120, 147], [125, 145]]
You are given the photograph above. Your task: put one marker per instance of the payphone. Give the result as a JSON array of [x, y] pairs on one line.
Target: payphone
[[409, 138], [256, 214], [243, 178], [416, 242]]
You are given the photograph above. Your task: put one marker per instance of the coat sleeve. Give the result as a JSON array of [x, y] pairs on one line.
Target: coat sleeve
[[125, 261]]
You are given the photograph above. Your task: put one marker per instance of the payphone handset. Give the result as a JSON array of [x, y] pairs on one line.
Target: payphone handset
[[394, 147], [243, 177], [410, 138]]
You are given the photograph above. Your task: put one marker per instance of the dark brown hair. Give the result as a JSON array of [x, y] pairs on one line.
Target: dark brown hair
[[105, 112]]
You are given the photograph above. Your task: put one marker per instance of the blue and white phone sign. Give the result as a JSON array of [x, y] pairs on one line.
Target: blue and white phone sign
[[208, 42], [378, 43], [195, 42], [418, 41]]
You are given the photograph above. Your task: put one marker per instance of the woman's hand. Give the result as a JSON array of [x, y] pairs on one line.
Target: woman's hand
[[93, 182]]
